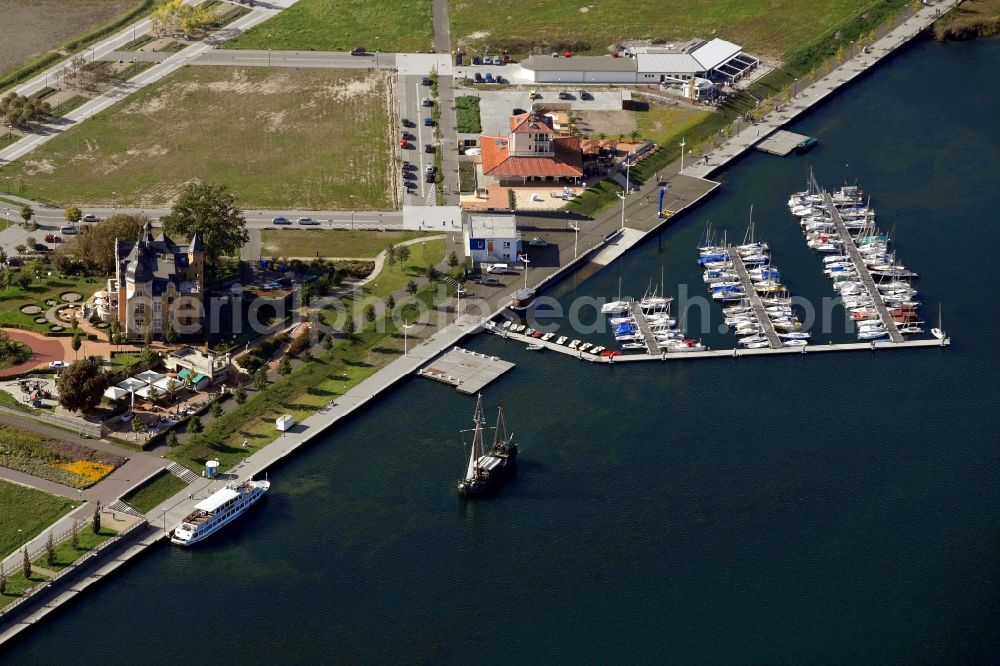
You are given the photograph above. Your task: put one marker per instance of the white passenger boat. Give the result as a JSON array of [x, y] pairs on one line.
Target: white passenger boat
[[218, 510]]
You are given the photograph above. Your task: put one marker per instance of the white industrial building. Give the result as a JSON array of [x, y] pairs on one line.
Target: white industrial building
[[490, 239], [713, 60]]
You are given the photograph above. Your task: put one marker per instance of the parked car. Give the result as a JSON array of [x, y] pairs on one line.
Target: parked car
[[564, 95], [476, 60], [52, 238], [307, 221], [404, 144], [478, 77], [58, 365], [90, 217], [426, 81], [487, 60], [42, 247], [500, 79], [538, 242], [489, 77], [409, 175], [428, 122], [280, 220], [358, 51], [427, 101], [428, 147], [408, 123], [585, 95], [490, 282], [69, 229], [271, 286], [430, 168], [429, 178]]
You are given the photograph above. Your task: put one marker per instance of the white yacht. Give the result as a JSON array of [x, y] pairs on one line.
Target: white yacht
[[219, 509]]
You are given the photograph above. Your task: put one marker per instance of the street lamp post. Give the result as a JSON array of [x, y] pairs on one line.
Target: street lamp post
[[524, 258], [406, 327], [628, 188], [458, 307], [576, 236], [682, 144]]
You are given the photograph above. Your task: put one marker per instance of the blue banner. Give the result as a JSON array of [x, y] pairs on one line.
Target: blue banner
[[477, 243]]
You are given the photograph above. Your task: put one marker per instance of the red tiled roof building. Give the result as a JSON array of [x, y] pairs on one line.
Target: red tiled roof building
[[531, 152]]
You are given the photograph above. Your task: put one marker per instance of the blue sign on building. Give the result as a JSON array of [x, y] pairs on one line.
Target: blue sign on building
[[477, 243]]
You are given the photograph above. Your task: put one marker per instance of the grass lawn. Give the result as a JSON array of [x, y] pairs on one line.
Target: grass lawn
[[64, 107], [764, 28], [314, 384], [467, 114], [330, 242], [25, 513], [340, 25], [280, 138], [154, 492], [667, 124], [12, 298], [973, 18], [16, 585], [66, 554]]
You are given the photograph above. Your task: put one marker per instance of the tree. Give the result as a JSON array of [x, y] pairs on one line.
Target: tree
[[76, 344], [452, 259], [411, 287], [169, 334], [391, 255], [403, 253], [31, 242], [390, 303], [349, 328], [239, 394], [327, 342], [194, 425], [137, 427], [26, 564], [284, 367], [260, 378], [209, 211], [369, 313], [216, 409], [95, 244], [153, 394], [74, 536], [172, 439], [95, 523], [27, 212], [50, 550], [431, 272], [307, 356], [73, 214], [81, 385], [147, 337]]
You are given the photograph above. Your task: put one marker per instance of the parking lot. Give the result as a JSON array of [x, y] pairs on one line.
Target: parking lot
[[497, 105]]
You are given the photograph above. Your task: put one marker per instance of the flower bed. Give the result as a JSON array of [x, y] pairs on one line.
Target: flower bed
[[70, 296], [31, 309], [63, 462], [40, 320]]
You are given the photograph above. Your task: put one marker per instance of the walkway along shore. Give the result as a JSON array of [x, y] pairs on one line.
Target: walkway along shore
[[169, 513]]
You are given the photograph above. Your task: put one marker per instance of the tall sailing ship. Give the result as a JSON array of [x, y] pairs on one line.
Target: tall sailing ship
[[486, 469]]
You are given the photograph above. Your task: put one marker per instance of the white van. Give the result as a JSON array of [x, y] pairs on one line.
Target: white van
[[498, 269], [69, 230]]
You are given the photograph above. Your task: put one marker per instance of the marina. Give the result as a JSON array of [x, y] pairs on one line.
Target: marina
[[467, 371], [767, 327]]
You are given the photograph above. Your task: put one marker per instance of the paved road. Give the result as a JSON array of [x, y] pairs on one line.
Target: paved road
[[297, 59], [441, 25]]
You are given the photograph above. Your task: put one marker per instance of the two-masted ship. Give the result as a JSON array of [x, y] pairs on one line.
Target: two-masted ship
[[486, 469]]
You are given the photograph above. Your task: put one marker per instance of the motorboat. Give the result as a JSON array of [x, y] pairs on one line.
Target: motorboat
[[561, 340], [615, 307], [687, 345]]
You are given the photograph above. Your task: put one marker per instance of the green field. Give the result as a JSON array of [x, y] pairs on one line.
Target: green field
[[467, 114], [330, 242], [317, 382], [26, 513], [154, 492], [340, 25], [280, 138], [764, 28]]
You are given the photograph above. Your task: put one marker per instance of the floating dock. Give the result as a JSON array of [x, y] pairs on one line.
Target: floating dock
[[783, 142], [862, 268], [874, 345], [467, 371], [647, 333], [751, 293]]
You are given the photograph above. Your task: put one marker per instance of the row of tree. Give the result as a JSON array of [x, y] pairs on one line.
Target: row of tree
[[18, 110]]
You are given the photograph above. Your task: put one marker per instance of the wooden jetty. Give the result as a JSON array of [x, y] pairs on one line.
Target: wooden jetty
[[647, 332], [467, 371], [754, 297], [783, 142], [862, 268]]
